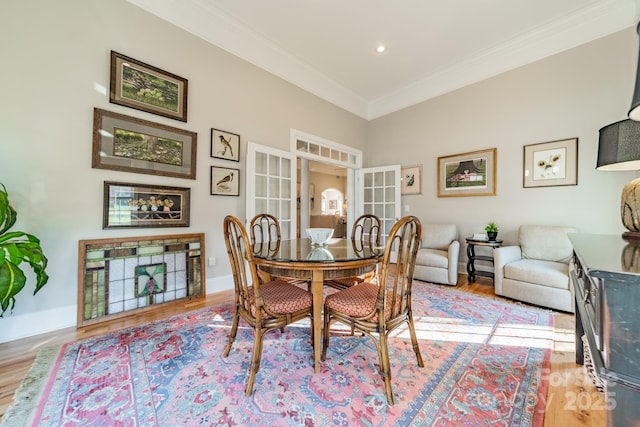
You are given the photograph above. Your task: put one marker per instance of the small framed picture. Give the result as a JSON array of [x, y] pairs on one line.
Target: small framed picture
[[550, 164], [467, 174], [225, 181], [225, 145], [411, 180], [144, 87], [128, 205]]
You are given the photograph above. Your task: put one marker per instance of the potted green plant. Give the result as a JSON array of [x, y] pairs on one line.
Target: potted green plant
[[492, 231], [17, 247]]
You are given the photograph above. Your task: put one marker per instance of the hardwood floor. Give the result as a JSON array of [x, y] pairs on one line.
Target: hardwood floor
[[571, 400]]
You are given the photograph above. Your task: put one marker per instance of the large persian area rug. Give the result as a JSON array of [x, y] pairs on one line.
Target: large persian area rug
[[486, 364]]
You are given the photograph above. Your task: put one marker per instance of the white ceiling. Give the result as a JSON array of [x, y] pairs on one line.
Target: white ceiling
[[327, 47]]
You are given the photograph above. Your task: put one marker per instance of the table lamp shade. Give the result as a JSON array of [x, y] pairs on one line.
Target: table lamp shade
[[634, 113], [619, 150], [619, 146]]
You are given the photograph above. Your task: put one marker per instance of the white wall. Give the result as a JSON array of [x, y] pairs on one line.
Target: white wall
[[572, 94], [55, 70]]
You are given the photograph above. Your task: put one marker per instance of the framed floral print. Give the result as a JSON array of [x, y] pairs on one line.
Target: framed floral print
[[550, 164]]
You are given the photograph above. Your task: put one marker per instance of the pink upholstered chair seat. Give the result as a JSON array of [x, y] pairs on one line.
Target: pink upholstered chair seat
[[283, 298], [357, 301]]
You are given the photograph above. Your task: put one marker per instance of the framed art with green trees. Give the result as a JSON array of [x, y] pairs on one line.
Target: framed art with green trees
[[144, 87]]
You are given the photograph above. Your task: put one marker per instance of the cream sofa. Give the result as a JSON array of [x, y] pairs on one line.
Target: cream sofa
[[537, 270], [437, 259]]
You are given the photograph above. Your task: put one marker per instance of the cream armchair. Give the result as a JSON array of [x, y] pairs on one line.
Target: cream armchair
[[437, 259], [536, 271]]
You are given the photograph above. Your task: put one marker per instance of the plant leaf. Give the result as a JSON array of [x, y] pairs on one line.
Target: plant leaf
[[12, 280]]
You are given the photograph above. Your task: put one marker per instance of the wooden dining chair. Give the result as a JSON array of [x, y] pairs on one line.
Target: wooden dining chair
[[264, 230], [264, 306], [365, 232], [379, 309]]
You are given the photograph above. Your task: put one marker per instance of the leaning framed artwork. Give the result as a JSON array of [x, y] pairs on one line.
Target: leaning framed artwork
[[411, 180], [128, 205], [468, 174], [550, 164], [134, 145], [225, 181], [225, 145], [147, 88], [126, 276]]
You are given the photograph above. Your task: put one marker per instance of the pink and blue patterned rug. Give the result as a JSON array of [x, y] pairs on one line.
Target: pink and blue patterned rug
[[486, 364]]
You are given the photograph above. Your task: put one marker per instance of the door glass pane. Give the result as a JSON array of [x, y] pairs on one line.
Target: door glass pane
[[274, 208], [378, 195], [286, 168], [261, 187], [368, 195], [286, 189], [378, 179], [286, 209], [368, 180], [261, 163], [274, 187], [261, 205], [285, 230], [390, 211], [390, 195], [274, 166], [389, 177]]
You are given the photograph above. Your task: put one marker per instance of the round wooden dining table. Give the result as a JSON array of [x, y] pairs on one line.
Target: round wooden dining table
[[300, 259]]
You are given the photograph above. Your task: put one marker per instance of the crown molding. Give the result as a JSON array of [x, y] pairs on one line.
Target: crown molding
[[585, 25]]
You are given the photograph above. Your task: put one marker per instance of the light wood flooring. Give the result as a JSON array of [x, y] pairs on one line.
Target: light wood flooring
[[571, 400]]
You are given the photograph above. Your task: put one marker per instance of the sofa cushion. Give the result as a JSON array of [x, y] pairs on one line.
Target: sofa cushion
[[544, 273], [432, 257], [438, 236], [548, 243]]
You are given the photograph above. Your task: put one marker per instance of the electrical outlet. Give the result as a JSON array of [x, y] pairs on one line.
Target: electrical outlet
[[212, 261]]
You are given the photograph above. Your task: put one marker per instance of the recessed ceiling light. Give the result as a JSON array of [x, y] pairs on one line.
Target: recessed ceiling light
[[380, 49]]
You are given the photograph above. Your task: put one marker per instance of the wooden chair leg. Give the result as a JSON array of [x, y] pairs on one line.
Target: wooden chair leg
[[232, 333], [414, 341], [325, 335], [385, 368], [255, 361]]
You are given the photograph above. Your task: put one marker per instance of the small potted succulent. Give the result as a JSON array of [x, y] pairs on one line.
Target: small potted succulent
[[492, 231], [17, 247]]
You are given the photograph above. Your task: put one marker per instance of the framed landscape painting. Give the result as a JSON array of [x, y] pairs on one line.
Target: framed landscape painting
[[550, 164], [467, 174], [144, 87], [134, 145]]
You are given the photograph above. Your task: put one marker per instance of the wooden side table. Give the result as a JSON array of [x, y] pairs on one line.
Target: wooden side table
[[472, 257]]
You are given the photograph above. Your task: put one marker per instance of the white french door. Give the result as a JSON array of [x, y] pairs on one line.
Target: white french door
[[378, 193], [271, 186]]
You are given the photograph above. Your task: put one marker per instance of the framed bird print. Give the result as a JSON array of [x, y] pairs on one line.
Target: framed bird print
[[410, 181], [225, 145], [225, 181]]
